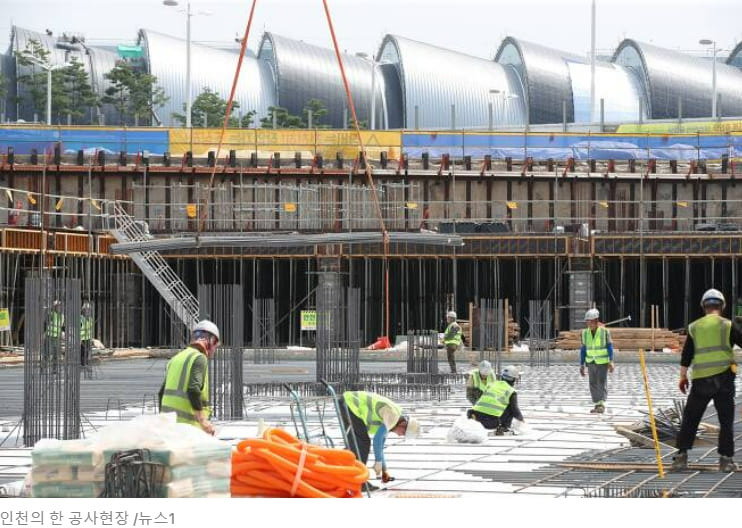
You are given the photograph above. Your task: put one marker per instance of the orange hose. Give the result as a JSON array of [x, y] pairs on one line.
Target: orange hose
[[268, 467]]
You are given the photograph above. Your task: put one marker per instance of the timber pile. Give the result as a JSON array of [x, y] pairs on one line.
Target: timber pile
[[628, 339]]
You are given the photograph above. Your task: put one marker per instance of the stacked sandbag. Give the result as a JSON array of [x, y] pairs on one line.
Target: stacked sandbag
[[194, 464]]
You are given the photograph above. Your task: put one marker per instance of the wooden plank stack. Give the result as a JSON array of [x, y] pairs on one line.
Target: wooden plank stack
[[628, 339]]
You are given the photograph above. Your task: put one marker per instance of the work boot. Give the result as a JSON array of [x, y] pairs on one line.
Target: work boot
[[726, 464], [594, 410], [370, 487], [680, 461], [500, 431], [600, 408]]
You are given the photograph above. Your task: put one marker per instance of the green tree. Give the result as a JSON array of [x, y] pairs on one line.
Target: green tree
[[77, 96], [3, 92], [319, 111], [134, 94], [248, 119], [33, 79], [283, 119], [209, 109]]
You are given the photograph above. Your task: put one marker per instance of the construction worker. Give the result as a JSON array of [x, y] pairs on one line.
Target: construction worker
[[53, 334], [452, 339], [499, 403], [708, 349], [597, 352], [86, 334], [479, 380], [375, 415], [185, 390]]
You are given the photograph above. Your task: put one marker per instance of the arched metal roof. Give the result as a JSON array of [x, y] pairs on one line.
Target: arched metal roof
[[210, 67], [304, 71], [670, 76], [432, 79], [735, 57], [545, 76]]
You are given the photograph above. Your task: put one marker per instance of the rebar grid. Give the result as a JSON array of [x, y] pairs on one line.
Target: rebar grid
[[263, 331], [422, 352], [222, 304], [539, 332], [399, 391], [492, 331], [51, 370]]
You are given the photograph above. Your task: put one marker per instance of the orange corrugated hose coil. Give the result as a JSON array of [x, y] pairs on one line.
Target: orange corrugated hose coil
[[279, 465]]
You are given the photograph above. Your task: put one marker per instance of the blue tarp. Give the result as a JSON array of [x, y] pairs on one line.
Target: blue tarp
[[541, 146], [112, 141]]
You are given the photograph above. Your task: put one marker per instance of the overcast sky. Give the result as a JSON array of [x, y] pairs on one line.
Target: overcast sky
[[471, 26]]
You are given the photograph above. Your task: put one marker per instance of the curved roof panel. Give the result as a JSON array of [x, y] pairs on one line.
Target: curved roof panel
[[620, 89], [304, 72], [210, 67], [545, 75], [671, 76], [735, 57], [432, 79]]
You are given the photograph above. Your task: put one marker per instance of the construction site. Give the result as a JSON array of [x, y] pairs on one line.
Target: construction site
[[335, 260]]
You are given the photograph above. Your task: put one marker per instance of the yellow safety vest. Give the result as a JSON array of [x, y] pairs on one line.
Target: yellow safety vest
[[482, 384], [495, 399], [86, 328], [452, 335], [713, 352], [597, 349], [175, 397], [56, 322], [366, 406]]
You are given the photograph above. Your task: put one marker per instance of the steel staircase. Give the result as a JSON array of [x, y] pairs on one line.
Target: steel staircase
[[182, 302]]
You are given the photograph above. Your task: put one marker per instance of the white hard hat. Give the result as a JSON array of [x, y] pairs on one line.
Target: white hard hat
[[413, 428], [591, 314], [207, 326], [485, 367], [510, 373], [713, 295], [451, 314]]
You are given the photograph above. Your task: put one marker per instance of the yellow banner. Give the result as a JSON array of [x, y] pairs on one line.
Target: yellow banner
[[702, 127], [266, 142]]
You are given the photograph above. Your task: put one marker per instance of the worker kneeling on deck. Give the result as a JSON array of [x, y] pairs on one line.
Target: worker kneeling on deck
[[375, 415], [478, 381], [499, 403], [185, 390], [708, 350]]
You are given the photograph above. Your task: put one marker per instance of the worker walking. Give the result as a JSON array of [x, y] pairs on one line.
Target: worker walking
[[452, 339], [498, 405], [479, 380], [185, 390], [708, 349], [375, 415], [86, 334], [597, 353], [53, 334]]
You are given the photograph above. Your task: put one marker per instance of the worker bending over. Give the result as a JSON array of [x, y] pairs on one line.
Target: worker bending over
[[479, 380], [708, 350], [185, 390], [375, 415], [452, 340], [499, 403], [597, 352]]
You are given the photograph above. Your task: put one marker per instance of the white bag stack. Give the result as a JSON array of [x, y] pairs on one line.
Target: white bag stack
[[466, 431], [196, 464]]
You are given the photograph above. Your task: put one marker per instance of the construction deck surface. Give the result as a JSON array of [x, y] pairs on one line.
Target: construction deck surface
[[546, 459]]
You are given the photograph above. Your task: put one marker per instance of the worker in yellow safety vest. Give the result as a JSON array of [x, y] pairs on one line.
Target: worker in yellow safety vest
[[708, 351], [452, 339], [53, 334], [375, 415], [498, 405], [479, 380], [185, 390], [86, 334], [597, 353]]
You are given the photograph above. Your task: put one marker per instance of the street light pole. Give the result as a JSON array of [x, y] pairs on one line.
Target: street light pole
[[709, 42], [188, 65], [49, 96]]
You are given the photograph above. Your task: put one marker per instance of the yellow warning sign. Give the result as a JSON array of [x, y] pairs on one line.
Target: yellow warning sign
[[289, 207], [308, 320], [191, 210]]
